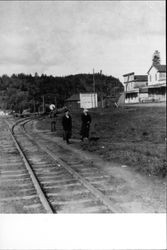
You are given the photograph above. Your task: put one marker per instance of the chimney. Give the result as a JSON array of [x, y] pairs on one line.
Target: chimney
[[156, 58]]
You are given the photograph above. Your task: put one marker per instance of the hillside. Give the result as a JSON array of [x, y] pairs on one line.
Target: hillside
[[27, 91]]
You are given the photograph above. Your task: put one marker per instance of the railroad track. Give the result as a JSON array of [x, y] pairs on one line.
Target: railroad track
[[17, 191], [62, 181]]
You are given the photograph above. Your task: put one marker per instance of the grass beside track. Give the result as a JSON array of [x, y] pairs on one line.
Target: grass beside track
[[133, 136]]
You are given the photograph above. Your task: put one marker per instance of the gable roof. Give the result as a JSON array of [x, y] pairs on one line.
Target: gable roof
[[159, 67], [132, 73], [74, 97]]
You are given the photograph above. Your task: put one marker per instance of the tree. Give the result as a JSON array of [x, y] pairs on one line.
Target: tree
[[26, 91]]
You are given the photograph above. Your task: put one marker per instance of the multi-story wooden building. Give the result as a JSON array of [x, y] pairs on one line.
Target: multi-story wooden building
[[135, 87], [146, 88]]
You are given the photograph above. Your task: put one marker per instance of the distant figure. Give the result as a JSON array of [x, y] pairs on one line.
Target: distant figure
[[115, 105], [67, 126], [85, 126], [53, 118]]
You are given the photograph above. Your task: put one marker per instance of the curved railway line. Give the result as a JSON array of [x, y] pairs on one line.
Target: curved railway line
[[17, 193], [44, 177]]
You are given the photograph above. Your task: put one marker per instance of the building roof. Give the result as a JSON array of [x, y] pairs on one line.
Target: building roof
[[74, 97], [140, 78], [159, 67], [132, 73], [137, 78]]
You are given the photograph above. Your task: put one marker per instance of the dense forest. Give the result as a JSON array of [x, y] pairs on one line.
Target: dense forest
[[19, 92]]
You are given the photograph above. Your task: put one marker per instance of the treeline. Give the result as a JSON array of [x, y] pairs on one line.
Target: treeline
[[19, 92]]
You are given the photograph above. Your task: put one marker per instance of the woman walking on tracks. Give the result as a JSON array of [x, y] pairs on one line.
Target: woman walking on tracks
[[67, 126], [86, 120]]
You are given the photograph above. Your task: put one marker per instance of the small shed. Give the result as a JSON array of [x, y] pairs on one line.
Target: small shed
[[82, 100], [73, 102]]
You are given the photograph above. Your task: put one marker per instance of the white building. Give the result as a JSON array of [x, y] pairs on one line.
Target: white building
[[82, 100], [88, 100], [150, 87], [157, 82]]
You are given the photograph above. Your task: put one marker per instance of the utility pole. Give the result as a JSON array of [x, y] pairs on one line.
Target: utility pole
[[93, 82], [55, 102], [43, 100], [94, 89], [34, 105]]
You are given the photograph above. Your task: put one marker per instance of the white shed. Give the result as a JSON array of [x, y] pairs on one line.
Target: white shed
[[82, 100], [88, 100]]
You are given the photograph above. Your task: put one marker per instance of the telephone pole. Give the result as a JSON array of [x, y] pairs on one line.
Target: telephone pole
[[34, 105], [43, 101], [93, 82], [94, 89], [55, 102]]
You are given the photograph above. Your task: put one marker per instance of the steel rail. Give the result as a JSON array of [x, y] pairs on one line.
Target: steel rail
[[105, 200], [33, 177]]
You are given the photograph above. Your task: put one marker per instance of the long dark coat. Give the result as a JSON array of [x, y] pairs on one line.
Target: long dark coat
[[67, 123], [67, 127], [86, 120]]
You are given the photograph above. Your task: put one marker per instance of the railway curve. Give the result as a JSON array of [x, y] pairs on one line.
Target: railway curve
[[60, 178], [60, 186]]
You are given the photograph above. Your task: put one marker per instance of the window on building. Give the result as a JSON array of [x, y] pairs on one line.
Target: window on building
[[162, 76], [155, 76], [125, 78], [150, 78]]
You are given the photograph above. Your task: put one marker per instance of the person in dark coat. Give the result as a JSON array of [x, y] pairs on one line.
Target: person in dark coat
[[85, 126], [67, 126]]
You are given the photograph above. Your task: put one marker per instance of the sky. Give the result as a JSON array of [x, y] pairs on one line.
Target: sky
[[69, 37]]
